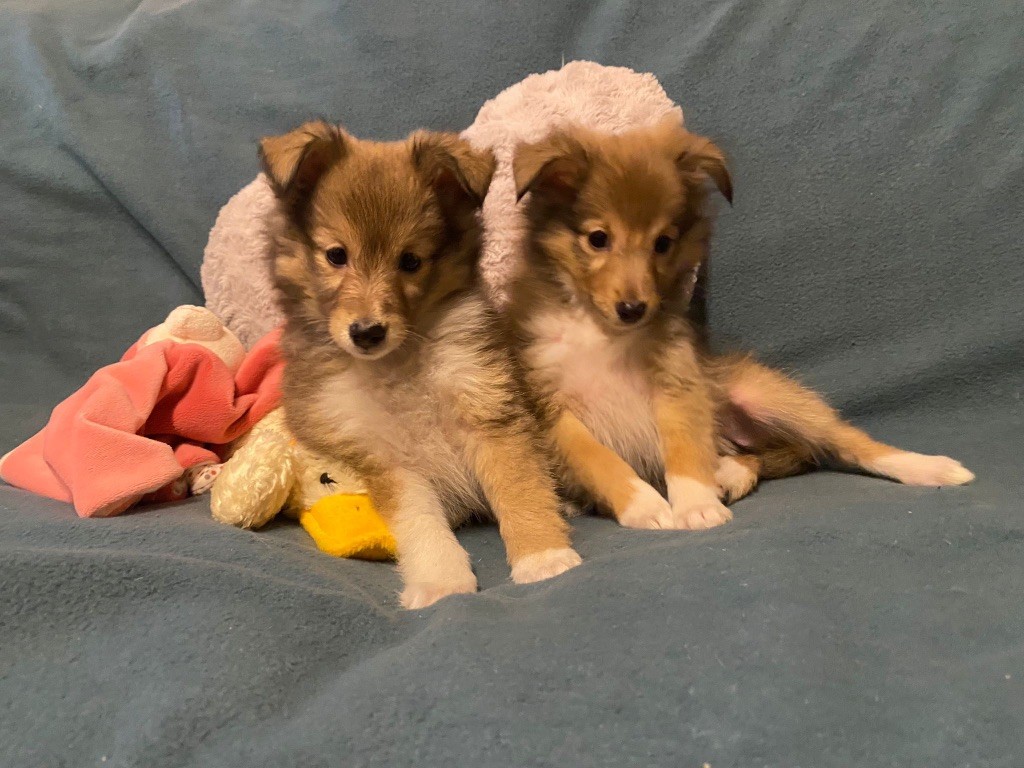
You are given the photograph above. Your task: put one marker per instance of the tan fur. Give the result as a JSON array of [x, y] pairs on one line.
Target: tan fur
[[522, 495], [591, 464], [684, 411], [432, 416], [791, 429], [633, 404]]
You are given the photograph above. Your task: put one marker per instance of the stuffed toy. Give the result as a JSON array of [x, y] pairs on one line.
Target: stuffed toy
[[188, 324], [197, 325], [268, 472]]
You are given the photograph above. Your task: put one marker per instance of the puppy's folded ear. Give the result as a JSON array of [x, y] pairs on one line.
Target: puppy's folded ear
[[697, 158], [295, 161], [457, 172], [555, 166]]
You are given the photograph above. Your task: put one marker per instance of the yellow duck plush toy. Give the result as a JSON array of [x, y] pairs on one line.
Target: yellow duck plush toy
[[268, 472]]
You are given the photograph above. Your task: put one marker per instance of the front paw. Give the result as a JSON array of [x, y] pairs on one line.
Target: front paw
[[646, 509], [544, 565], [423, 594], [695, 506]]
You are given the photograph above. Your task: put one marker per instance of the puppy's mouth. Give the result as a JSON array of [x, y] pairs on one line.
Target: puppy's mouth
[[372, 354]]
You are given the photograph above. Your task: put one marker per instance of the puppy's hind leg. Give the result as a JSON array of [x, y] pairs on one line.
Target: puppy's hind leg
[[799, 417], [736, 476], [430, 559]]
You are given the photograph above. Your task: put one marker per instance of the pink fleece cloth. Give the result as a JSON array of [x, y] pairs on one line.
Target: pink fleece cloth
[[138, 424]]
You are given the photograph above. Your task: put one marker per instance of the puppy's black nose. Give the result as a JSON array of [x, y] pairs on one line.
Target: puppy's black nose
[[630, 311], [366, 334]]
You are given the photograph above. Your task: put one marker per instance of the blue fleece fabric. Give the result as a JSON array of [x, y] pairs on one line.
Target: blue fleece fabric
[[875, 247]]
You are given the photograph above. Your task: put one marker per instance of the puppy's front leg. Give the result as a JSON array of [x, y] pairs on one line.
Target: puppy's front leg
[[430, 559], [685, 419], [522, 496], [607, 477]]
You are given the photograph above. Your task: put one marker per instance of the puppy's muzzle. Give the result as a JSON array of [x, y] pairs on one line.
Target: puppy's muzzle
[[367, 334]]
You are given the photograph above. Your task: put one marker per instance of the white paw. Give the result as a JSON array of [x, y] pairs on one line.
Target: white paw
[[735, 479], [544, 565], [918, 469], [695, 506], [421, 595], [700, 515], [647, 509]]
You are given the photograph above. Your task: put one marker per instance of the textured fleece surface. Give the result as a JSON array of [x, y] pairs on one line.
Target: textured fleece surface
[[875, 246]]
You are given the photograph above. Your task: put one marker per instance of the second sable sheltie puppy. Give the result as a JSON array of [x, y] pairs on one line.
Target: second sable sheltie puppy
[[395, 364], [616, 230]]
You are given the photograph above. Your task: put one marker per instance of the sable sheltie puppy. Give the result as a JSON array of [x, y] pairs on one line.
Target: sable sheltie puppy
[[395, 364], [616, 230]]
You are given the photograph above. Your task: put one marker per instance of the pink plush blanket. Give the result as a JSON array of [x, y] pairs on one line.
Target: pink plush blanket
[[137, 425]]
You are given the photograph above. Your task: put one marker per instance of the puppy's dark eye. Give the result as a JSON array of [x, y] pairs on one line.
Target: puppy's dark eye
[[598, 239], [409, 262], [337, 256], [662, 244]]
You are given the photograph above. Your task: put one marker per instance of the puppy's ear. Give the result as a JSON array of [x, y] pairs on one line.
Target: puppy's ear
[[554, 166], [295, 161], [697, 158], [457, 172]]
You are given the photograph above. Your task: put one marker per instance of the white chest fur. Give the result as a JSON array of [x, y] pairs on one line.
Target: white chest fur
[[599, 378], [405, 421]]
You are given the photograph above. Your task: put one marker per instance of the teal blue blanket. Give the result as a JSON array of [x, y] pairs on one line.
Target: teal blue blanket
[[875, 247]]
